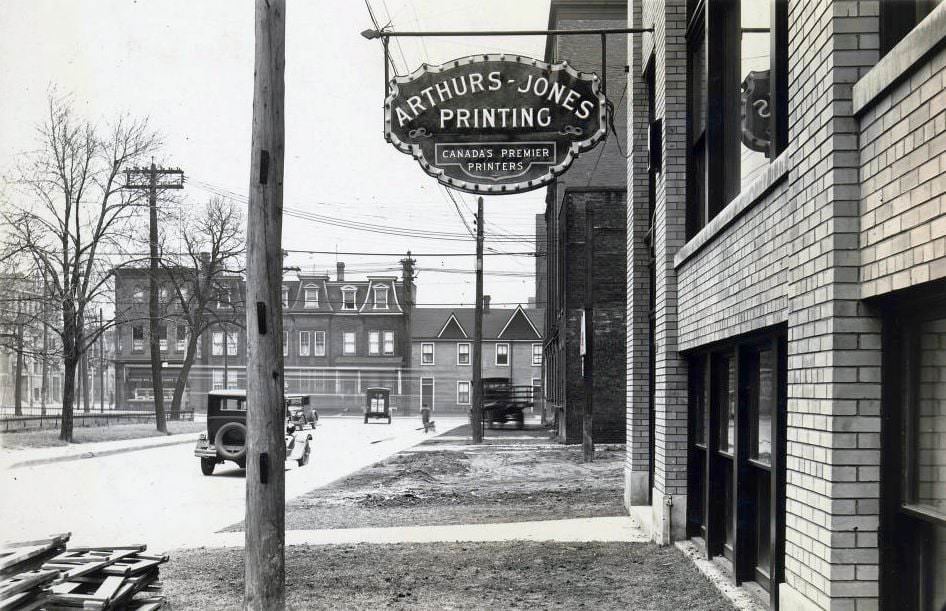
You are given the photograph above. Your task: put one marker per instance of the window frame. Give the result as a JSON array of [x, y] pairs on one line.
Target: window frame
[[180, 343], [384, 343], [374, 342], [496, 352], [381, 290], [540, 355], [316, 335], [469, 392], [346, 292], [469, 355], [310, 304], [285, 343], [345, 343], [305, 343], [716, 25], [423, 353], [137, 345]]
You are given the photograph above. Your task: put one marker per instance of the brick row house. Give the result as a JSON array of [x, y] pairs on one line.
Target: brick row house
[[442, 353], [786, 262], [340, 336], [597, 183]]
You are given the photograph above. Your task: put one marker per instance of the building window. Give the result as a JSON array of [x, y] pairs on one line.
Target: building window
[[736, 498], [137, 338], [223, 299], [427, 354], [536, 355], [285, 296], [319, 343], [305, 347], [348, 298], [348, 342], [463, 354], [138, 294], [732, 74], [311, 296], [502, 355], [181, 330], [217, 380], [374, 342], [198, 347], [381, 298], [233, 346], [463, 393], [389, 342], [285, 343], [217, 343], [163, 337], [898, 18], [913, 438]]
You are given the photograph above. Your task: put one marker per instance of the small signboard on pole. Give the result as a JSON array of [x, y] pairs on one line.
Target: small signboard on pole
[[495, 124]]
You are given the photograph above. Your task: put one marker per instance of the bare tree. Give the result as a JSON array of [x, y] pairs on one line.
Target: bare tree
[[73, 211], [206, 267]]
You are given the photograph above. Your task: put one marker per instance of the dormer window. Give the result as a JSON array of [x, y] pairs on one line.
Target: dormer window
[[138, 294], [285, 296], [311, 296], [223, 300], [348, 298], [380, 298]]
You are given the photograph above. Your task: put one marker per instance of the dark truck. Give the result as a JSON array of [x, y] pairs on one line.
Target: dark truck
[[505, 402]]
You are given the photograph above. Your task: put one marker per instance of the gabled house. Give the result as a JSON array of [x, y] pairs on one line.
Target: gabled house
[[442, 352]]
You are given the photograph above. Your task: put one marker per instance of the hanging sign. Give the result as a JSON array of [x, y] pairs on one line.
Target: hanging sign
[[495, 123], [756, 110]]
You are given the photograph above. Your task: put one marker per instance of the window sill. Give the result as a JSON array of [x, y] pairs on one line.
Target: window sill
[[899, 63], [753, 194]]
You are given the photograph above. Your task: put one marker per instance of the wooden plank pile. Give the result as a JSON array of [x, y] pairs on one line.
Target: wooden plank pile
[[43, 574]]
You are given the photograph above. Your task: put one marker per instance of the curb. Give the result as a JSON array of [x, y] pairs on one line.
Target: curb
[[92, 454]]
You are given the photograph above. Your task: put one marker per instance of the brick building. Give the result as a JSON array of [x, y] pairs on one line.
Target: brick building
[[442, 352], [340, 336], [786, 261], [596, 181]]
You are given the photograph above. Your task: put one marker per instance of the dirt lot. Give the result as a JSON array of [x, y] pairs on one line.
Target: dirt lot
[[514, 575], [50, 437], [449, 482]]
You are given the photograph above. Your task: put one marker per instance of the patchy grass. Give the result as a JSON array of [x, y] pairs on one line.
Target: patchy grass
[[508, 575], [438, 483], [50, 437]]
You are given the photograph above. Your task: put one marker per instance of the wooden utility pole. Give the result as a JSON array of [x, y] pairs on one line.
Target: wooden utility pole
[[157, 178], [18, 380], [226, 356], [407, 264], [265, 579], [476, 419], [587, 419]]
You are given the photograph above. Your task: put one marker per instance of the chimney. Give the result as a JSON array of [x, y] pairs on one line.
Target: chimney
[[486, 303], [341, 271]]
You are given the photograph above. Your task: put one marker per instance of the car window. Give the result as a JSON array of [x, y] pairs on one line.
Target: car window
[[232, 405]]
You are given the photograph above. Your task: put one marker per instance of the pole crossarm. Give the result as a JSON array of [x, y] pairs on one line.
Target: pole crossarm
[[372, 34]]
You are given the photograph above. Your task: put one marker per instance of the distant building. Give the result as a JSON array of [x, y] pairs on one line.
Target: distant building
[[340, 336], [442, 352], [597, 181]]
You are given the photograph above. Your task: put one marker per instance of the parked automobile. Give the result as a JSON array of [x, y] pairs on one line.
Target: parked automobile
[[300, 411], [225, 438], [378, 404], [504, 402]]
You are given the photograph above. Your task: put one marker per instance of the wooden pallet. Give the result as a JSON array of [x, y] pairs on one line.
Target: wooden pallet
[[21, 556]]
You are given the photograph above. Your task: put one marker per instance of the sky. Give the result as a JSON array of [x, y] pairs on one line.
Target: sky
[[187, 65]]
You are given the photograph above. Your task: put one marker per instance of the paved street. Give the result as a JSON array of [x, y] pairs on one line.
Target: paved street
[[159, 497]]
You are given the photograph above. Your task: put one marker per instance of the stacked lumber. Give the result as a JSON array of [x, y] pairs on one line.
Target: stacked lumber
[[46, 575]]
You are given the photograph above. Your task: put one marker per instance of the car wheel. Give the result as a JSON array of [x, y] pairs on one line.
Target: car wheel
[[207, 466], [230, 428]]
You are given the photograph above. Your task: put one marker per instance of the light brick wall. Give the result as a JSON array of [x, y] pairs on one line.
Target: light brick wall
[[833, 450], [638, 274], [668, 18], [903, 177]]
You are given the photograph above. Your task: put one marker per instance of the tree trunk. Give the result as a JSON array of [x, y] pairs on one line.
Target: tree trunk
[[18, 375], [181, 381], [84, 372], [68, 397], [44, 387]]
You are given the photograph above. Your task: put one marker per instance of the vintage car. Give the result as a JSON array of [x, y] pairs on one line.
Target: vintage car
[[505, 402], [378, 404], [225, 438], [301, 412]]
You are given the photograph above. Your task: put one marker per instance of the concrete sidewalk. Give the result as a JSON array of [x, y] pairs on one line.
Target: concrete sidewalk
[[620, 528], [13, 459]]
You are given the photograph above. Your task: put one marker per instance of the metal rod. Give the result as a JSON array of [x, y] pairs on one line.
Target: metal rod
[[604, 65], [371, 34]]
